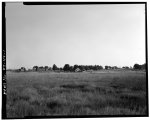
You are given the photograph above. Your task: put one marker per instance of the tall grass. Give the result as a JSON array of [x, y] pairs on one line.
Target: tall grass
[[44, 94]]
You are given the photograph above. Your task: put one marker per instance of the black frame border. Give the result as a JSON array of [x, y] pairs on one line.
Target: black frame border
[[3, 62], [4, 85]]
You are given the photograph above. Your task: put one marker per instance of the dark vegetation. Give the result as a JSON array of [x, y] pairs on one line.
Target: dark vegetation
[[139, 67], [104, 92], [68, 68]]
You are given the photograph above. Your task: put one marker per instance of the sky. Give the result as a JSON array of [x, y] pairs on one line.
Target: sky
[[74, 34]]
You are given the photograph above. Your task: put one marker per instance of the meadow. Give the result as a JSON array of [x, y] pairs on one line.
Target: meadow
[[85, 93]]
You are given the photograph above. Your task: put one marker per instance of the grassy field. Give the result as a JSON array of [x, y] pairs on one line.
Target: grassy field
[[96, 93]]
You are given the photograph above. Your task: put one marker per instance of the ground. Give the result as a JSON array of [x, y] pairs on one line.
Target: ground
[[86, 93]]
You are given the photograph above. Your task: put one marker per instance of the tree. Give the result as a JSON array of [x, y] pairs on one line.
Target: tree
[[75, 67], [80, 67], [109, 67], [86, 67], [61, 68], [137, 66], [66, 67], [49, 68], [106, 67], [41, 67], [23, 69], [123, 67], [143, 66], [91, 67], [126, 67], [100, 67], [46, 68], [95, 67], [35, 68], [115, 67], [71, 68], [54, 67]]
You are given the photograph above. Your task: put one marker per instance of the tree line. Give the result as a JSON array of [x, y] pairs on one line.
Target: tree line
[[139, 67], [69, 68]]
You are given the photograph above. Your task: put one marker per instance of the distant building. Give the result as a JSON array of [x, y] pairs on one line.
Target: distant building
[[77, 70]]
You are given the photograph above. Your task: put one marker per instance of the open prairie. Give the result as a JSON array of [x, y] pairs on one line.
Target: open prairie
[[84, 93]]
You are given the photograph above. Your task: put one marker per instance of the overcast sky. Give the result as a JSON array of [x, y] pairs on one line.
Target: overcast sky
[[75, 34]]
